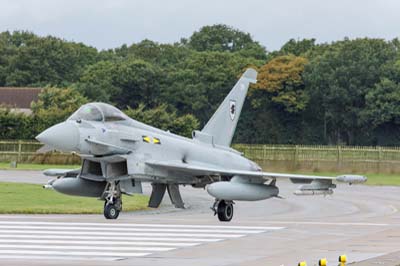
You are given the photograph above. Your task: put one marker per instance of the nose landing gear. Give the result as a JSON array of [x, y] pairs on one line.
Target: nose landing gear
[[113, 201], [224, 209]]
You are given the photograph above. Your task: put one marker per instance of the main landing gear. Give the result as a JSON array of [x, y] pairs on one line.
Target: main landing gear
[[224, 209], [113, 201]]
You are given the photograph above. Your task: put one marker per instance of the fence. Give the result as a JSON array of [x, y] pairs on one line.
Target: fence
[[27, 152], [319, 158], [270, 157]]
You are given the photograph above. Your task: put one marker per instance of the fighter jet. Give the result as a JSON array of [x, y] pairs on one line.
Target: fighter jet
[[119, 153]]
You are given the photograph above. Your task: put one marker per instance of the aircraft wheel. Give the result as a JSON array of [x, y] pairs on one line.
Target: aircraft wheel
[[225, 211], [111, 211]]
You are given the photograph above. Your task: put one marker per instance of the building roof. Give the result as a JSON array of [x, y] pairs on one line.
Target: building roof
[[18, 97]]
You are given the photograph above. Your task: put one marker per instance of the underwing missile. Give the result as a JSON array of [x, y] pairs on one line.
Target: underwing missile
[[351, 179]]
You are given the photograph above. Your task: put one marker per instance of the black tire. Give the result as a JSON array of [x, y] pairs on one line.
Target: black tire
[[111, 211], [225, 211]]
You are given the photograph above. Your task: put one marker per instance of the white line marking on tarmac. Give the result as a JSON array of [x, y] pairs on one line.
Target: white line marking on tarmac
[[64, 247], [329, 223], [121, 233], [107, 241], [130, 229], [85, 242], [43, 257], [147, 225], [107, 238], [73, 253]]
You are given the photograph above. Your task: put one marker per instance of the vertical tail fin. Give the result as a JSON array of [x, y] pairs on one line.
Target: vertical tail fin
[[223, 123]]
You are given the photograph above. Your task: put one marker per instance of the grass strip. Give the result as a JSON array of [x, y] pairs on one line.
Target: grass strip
[[28, 166], [33, 199]]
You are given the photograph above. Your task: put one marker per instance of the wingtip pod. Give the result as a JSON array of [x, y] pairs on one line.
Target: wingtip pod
[[251, 74], [352, 179]]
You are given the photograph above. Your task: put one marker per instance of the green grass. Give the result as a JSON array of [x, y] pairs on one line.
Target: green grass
[[33, 199], [373, 179], [383, 179], [26, 166]]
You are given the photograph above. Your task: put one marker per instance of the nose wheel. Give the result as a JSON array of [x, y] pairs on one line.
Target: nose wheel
[[113, 201], [111, 211], [224, 210]]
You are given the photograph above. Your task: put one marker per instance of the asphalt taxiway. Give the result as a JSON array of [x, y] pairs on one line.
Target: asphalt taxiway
[[361, 221]]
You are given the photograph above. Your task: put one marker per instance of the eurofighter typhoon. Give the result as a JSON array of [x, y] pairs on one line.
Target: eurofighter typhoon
[[119, 153]]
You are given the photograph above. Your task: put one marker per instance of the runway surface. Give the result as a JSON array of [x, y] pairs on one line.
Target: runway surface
[[361, 221], [99, 241]]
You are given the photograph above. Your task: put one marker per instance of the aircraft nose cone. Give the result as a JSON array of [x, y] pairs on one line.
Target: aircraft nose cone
[[63, 136]]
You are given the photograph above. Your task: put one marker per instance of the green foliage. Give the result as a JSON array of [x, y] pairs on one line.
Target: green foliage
[[138, 82], [160, 117], [58, 100], [299, 47], [35, 61], [54, 106], [14, 125], [339, 80], [222, 38], [96, 82], [126, 83], [382, 103], [345, 92], [164, 55], [199, 83]]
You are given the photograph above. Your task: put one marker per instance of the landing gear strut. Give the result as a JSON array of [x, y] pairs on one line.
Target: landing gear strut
[[224, 209], [113, 201]]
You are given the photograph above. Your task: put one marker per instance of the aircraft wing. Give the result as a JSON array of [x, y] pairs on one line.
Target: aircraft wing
[[199, 170]]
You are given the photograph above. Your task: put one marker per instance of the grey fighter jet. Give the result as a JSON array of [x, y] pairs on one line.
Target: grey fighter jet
[[119, 153]]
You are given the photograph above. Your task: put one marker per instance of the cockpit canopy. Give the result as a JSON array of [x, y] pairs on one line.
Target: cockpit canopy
[[101, 112]]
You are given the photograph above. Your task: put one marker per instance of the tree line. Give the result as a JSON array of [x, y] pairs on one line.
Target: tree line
[[344, 92]]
